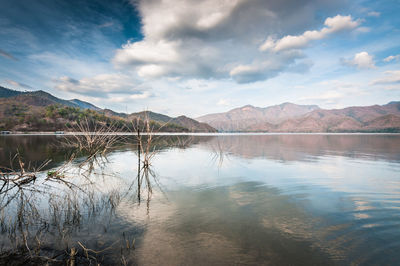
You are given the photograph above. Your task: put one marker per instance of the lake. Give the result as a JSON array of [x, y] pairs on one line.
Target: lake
[[211, 200]]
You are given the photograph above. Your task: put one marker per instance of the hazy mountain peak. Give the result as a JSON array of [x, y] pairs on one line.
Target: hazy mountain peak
[[286, 104], [240, 119], [247, 108]]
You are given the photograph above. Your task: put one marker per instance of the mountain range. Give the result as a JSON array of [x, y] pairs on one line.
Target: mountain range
[[41, 111], [289, 117]]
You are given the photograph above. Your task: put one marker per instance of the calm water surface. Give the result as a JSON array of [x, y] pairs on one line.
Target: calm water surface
[[226, 200]]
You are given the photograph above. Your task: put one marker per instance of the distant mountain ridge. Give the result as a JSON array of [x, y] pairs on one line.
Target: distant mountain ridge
[[243, 118], [18, 108], [42, 98], [289, 117]]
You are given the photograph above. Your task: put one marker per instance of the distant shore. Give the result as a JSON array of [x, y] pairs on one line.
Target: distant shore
[[196, 133]]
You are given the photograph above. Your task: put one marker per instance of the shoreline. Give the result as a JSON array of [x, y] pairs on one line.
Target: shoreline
[[197, 133]]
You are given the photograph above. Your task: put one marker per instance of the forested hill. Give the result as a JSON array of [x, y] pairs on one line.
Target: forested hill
[[41, 111]]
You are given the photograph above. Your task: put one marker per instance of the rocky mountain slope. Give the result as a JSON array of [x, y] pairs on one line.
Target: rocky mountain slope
[[246, 117], [290, 117]]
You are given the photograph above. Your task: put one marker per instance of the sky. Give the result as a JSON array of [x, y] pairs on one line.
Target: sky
[[196, 57]]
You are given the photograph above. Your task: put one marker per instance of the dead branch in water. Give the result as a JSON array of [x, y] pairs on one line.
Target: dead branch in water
[[68, 212], [91, 138]]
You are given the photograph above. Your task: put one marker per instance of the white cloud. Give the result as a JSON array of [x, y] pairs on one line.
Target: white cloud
[[148, 52], [18, 85], [264, 69], [391, 77], [327, 96], [224, 102], [394, 87], [392, 58], [100, 85], [7, 55], [289, 61], [361, 60], [197, 85], [151, 71], [70, 65], [333, 91], [106, 24], [332, 25], [217, 39], [362, 30], [129, 98], [374, 14]]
